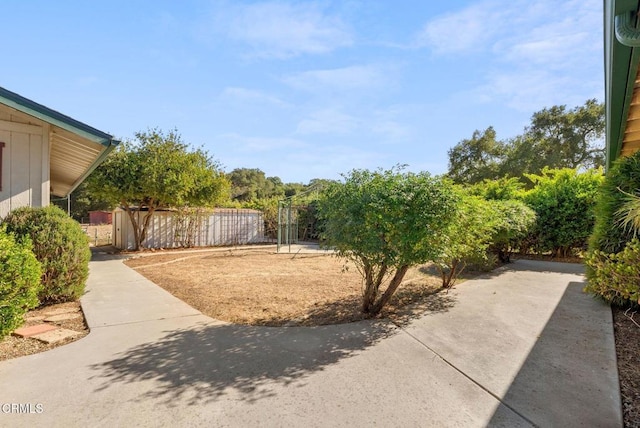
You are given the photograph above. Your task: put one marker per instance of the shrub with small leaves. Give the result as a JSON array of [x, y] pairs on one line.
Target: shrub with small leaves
[[616, 277], [60, 246], [19, 281]]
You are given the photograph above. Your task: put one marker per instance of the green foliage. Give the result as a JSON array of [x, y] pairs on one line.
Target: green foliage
[[269, 208], [60, 246], [82, 201], [19, 281], [629, 214], [501, 189], [159, 171], [616, 276], [385, 222], [465, 239], [621, 180], [512, 222], [557, 138], [476, 159], [248, 184], [563, 200]]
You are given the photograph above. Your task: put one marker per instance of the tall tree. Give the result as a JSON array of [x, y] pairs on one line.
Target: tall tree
[[385, 222], [556, 138], [248, 184], [564, 138], [476, 159], [157, 171]]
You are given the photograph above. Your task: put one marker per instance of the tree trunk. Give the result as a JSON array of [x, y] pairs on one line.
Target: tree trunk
[[393, 286], [134, 223]]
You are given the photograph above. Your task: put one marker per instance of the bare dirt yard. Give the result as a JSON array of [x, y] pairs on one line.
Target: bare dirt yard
[[259, 287]]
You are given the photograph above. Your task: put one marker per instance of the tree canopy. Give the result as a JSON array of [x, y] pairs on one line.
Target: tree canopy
[[156, 171], [556, 138]]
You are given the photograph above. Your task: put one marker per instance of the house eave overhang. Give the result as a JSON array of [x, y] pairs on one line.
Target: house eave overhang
[[621, 73], [68, 135]]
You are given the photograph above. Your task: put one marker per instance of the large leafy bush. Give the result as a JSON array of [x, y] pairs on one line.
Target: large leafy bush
[[616, 277], [385, 222], [563, 200], [613, 262], [60, 246], [512, 222], [19, 281], [622, 180]]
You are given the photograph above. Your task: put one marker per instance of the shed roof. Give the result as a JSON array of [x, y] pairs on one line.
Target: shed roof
[[76, 148]]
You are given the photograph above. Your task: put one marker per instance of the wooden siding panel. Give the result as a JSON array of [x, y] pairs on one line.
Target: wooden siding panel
[[35, 172], [5, 200], [20, 170]]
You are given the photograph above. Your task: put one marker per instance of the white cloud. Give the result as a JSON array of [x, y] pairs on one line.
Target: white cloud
[[282, 30], [530, 54], [470, 28], [244, 95], [328, 121], [346, 78], [260, 144]]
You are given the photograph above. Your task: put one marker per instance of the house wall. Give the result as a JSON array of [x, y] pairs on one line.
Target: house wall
[[25, 161]]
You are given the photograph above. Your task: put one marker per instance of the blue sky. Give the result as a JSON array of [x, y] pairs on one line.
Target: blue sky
[[306, 89]]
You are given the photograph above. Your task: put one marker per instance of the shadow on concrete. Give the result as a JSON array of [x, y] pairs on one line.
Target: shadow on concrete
[[199, 365], [108, 252], [569, 377]]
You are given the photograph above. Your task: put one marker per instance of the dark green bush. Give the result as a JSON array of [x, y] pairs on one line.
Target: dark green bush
[[512, 221], [563, 200], [60, 246], [608, 234], [616, 277], [19, 282]]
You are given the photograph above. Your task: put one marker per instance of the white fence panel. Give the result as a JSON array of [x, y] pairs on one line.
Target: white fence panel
[[167, 230]]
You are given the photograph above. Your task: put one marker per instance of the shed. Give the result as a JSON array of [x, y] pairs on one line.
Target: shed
[[43, 152]]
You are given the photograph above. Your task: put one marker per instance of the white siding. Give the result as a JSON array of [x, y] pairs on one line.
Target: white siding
[[25, 171]]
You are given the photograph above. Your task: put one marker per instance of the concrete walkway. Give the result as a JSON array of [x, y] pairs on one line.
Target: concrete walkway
[[521, 347]]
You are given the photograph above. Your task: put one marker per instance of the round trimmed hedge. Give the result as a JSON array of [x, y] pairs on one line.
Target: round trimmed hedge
[[60, 246], [19, 281]]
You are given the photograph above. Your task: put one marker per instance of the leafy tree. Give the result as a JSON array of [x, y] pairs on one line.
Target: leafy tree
[[385, 222], [83, 201], [564, 138], [465, 239], [563, 201], [251, 183], [556, 138], [157, 171], [476, 159]]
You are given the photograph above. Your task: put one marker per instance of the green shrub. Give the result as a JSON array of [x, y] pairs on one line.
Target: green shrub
[[19, 281], [60, 246], [621, 180], [616, 277], [563, 200], [512, 221]]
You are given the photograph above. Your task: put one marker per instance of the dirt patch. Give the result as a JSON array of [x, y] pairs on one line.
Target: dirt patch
[[627, 333], [13, 346], [263, 288], [98, 235]]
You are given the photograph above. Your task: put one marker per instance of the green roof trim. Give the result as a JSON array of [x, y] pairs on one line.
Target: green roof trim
[[621, 66], [53, 117]]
